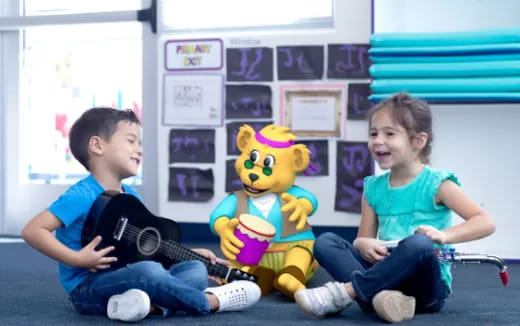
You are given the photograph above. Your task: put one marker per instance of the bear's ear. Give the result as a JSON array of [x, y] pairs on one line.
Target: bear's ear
[[244, 136], [301, 155]]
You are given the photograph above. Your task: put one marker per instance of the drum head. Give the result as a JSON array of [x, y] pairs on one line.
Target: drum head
[[257, 225]]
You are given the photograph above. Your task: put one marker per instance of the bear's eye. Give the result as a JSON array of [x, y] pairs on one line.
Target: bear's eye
[[254, 156], [269, 161]]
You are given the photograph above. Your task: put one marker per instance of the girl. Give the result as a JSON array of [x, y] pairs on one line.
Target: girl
[[411, 203]]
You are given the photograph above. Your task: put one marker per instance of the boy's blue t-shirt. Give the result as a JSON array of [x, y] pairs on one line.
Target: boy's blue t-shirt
[[401, 210], [72, 208]]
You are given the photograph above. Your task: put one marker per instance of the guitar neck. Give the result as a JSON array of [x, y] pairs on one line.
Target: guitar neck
[[178, 253]]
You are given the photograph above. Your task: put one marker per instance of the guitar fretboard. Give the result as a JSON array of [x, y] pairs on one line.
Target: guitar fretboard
[[176, 252]]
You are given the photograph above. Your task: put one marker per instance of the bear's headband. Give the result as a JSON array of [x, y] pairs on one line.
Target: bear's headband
[[273, 143], [280, 144]]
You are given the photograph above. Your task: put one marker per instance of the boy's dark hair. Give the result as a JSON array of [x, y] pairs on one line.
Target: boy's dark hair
[[413, 114], [97, 121]]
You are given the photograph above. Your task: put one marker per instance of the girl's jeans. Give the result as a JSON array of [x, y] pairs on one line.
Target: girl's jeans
[[178, 288], [412, 268]]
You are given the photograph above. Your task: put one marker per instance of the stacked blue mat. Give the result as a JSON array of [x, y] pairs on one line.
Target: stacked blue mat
[[479, 66]]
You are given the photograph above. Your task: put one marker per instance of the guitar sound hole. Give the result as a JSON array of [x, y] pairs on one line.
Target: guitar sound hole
[[148, 241]]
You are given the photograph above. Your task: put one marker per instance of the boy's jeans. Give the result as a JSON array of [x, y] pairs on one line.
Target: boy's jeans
[[412, 268], [179, 288]]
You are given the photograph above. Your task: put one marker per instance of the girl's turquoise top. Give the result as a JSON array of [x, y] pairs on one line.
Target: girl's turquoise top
[[401, 210]]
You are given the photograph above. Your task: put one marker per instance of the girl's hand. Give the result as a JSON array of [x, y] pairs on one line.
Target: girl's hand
[[370, 249], [213, 259], [94, 260], [435, 235]]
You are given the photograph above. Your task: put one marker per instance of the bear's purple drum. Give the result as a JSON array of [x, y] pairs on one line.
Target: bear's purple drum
[[256, 234]]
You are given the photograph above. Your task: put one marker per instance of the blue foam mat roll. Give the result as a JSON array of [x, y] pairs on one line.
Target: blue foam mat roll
[[421, 85], [447, 69], [448, 59], [493, 36], [439, 97], [505, 48]]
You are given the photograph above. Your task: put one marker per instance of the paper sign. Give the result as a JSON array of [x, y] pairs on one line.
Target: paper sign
[[203, 54], [193, 100], [353, 164], [249, 64], [300, 62], [192, 145], [348, 61], [190, 184]]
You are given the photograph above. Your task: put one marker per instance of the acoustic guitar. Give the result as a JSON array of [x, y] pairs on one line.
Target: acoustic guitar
[[125, 223]]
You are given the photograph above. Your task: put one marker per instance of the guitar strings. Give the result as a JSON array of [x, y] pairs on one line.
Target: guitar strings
[[134, 233], [180, 256]]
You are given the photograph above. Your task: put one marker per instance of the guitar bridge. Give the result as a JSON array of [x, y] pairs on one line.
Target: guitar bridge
[[120, 228]]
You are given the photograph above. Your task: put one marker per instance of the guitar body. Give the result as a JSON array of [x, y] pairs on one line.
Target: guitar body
[[149, 231], [125, 223]]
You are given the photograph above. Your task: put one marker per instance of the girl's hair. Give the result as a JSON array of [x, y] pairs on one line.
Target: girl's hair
[[411, 113]]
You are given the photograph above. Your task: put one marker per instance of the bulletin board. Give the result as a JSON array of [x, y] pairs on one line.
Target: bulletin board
[[267, 78]]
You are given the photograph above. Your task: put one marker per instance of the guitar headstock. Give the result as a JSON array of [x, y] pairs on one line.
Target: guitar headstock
[[238, 275]]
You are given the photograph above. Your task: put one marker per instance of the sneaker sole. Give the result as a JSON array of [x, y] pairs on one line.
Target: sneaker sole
[[303, 302], [236, 296], [394, 306], [130, 306]]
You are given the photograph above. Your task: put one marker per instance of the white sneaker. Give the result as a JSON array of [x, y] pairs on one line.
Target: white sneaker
[[236, 296], [329, 299], [130, 306], [393, 306]]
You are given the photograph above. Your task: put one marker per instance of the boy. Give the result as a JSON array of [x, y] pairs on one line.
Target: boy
[[107, 142]]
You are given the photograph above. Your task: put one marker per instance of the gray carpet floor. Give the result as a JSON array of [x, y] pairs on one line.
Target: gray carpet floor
[[30, 294]]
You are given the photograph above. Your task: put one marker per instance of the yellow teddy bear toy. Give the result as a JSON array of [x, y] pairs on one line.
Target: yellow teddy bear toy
[[270, 207]]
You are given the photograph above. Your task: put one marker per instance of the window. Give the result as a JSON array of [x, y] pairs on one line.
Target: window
[[47, 7], [66, 69], [226, 14], [54, 64], [64, 72]]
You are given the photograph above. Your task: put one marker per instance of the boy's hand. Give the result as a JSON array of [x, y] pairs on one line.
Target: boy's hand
[[300, 208], [435, 235], [213, 259], [211, 256], [371, 249], [94, 260]]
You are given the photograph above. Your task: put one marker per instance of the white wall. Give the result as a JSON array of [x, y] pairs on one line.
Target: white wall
[[423, 16], [478, 143]]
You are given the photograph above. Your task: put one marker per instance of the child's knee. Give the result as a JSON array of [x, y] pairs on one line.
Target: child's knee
[[147, 269], [324, 242], [417, 243], [198, 270], [198, 275]]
